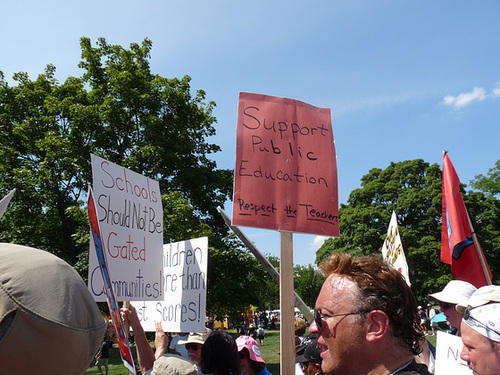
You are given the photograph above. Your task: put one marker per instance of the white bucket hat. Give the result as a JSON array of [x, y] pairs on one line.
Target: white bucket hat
[[455, 292]]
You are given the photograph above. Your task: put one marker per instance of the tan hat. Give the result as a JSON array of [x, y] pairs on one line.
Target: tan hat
[[172, 364], [49, 322], [196, 337], [482, 296]]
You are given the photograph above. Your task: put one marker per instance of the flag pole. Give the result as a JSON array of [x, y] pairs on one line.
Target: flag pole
[[479, 252]]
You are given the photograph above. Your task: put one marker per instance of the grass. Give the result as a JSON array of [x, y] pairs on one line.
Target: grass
[[269, 352], [115, 366]]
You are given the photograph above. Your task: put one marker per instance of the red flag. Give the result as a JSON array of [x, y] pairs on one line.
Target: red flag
[[114, 309], [457, 245]]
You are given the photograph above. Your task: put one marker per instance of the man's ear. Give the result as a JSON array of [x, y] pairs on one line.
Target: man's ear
[[377, 325], [497, 347]]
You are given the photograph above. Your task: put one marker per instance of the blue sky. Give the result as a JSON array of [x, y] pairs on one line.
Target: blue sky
[[404, 79]]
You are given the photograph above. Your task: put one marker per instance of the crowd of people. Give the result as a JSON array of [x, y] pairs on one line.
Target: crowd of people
[[366, 321]]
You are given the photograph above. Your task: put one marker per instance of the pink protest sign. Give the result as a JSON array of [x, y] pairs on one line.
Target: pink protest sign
[[286, 170]]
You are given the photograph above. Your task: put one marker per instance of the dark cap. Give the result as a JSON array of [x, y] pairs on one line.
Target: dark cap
[[309, 351]]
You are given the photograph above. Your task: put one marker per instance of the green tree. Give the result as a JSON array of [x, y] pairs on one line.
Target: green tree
[[490, 184], [484, 206], [118, 110], [237, 280], [413, 189], [485, 216]]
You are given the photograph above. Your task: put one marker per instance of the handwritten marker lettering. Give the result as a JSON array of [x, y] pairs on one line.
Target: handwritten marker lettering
[[285, 175], [258, 209]]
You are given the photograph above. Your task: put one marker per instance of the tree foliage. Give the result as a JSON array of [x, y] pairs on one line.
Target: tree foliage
[[237, 280], [490, 184], [119, 110], [412, 188]]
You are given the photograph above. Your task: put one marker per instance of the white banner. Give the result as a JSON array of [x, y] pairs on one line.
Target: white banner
[[184, 281], [448, 348], [130, 215], [392, 250]]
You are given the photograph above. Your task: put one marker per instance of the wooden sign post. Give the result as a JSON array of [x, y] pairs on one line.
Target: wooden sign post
[[287, 333]]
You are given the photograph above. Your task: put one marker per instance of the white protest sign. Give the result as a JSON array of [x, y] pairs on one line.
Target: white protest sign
[[130, 215], [392, 249], [184, 281], [448, 348]]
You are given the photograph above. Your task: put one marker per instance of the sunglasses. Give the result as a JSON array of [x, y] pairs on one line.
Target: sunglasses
[[193, 346], [319, 317], [446, 305], [468, 316]]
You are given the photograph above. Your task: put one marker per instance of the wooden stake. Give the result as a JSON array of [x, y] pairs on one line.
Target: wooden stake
[[287, 334]]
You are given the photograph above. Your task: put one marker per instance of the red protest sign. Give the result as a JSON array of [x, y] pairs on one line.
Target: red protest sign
[[286, 170]]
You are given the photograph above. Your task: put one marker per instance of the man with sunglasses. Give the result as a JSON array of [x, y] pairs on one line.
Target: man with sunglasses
[[481, 331], [454, 293], [193, 345], [366, 319]]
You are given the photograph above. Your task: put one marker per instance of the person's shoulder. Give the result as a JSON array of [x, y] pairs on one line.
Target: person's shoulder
[[265, 371], [415, 369]]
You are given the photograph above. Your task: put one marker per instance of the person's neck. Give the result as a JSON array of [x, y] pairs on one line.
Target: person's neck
[[390, 361]]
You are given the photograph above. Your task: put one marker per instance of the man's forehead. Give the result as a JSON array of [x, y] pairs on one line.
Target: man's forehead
[[340, 283], [337, 290], [470, 336]]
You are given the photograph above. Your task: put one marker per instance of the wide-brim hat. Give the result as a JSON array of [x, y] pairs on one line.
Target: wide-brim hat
[[49, 322], [196, 337], [172, 364], [455, 292]]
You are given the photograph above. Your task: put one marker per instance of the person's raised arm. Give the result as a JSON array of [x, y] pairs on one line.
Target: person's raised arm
[[145, 355], [161, 341]]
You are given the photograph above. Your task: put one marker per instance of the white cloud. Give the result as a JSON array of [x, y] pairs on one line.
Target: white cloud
[[461, 100], [466, 98], [496, 90], [317, 242]]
